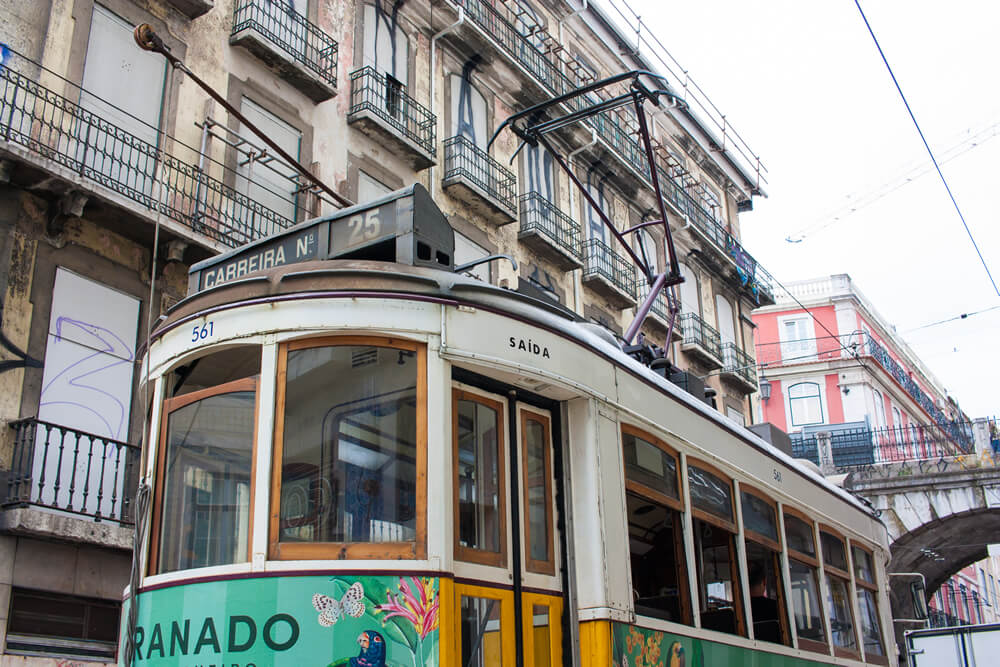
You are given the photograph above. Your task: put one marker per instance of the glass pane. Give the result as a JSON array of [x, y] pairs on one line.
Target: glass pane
[[206, 483], [805, 600], [649, 465], [833, 550], [536, 482], [654, 535], [710, 493], [482, 640], [542, 639], [349, 460], [719, 592], [799, 535], [765, 584], [863, 569], [478, 476], [869, 623], [839, 608], [759, 516]]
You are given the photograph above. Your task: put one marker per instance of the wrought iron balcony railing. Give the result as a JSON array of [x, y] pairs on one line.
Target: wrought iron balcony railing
[[737, 362], [896, 370], [540, 216], [463, 159], [859, 446], [387, 99], [698, 332], [64, 469], [52, 127], [293, 33], [600, 260]]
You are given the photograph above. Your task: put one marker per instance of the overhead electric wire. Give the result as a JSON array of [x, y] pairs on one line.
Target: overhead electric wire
[[927, 146], [961, 316]]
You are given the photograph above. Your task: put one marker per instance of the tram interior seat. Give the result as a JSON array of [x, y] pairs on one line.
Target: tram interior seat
[[722, 620]]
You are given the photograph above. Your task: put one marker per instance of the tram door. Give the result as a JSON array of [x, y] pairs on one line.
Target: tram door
[[508, 599]]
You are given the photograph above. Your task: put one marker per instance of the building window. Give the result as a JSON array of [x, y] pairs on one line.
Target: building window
[[467, 250], [715, 550], [656, 542], [879, 409], [724, 315], [349, 451], [595, 183], [763, 549], [468, 110], [204, 472], [386, 47], [689, 291], [480, 485], [260, 175], [539, 173], [864, 578], [735, 415], [797, 337], [370, 188], [53, 624], [839, 607], [803, 570], [805, 403]]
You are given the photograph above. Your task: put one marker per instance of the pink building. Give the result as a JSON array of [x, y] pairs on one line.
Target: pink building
[[842, 368]]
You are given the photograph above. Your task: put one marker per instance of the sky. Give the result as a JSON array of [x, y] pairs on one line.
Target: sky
[[804, 85]]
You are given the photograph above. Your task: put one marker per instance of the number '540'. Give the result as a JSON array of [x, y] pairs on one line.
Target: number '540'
[[204, 331]]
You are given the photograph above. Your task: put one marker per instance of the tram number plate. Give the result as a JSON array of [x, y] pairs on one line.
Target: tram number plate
[[204, 332], [363, 228]]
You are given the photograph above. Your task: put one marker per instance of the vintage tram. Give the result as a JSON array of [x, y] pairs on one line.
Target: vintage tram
[[357, 456]]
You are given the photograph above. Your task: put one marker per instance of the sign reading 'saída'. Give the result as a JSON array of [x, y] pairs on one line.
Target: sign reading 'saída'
[[322, 621]]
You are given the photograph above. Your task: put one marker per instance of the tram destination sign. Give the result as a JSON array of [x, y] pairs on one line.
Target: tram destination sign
[[405, 226]]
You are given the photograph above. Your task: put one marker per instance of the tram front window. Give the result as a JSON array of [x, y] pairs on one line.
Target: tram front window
[[204, 468], [348, 446]]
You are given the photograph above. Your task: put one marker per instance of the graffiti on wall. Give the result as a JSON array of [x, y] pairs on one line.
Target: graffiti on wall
[[595, 183], [385, 44]]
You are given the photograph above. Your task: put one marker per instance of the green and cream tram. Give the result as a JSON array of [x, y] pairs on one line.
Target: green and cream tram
[[357, 456]]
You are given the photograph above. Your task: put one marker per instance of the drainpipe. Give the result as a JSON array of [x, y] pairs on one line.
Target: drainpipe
[[577, 295], [444, 31]]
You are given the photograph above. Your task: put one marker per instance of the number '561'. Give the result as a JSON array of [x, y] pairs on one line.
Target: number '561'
[[202, 332]]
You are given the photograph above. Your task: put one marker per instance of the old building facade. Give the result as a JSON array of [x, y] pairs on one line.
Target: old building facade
[[117, 172]]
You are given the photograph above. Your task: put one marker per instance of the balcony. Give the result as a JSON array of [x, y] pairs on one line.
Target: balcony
[[739, 367], [381, 109], [659, 313], [193, 8], [480, 181], [292, 46], [608, 273], [550, 232], [701, 340], [55, 139], [63, 481]]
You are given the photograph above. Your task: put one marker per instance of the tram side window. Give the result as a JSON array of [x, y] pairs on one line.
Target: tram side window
[[763, 549], [481, 535], [656, 542], [871, 630], [537, 473], [348, 449], [715, 550], [839, 606], [204, 467], [803, 572]]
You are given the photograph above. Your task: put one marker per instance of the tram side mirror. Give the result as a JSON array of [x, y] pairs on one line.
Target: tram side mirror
[[919, 596]]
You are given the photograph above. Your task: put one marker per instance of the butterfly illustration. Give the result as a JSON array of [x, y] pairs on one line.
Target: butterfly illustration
[[330, 610]]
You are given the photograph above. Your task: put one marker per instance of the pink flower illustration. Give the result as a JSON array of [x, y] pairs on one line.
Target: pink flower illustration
[[419, 605]]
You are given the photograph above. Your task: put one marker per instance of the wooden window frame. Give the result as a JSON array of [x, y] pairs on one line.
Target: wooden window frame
[[776, 550], [416, 549], [732, 529], [547, 566], [171, 405], [470, 554], [846, 577], [644, 490], [873, 587], [812, 562]]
